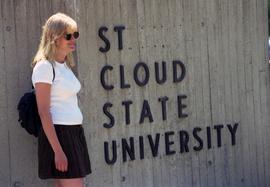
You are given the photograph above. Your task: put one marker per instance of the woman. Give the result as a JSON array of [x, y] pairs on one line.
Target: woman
[[62, 149]]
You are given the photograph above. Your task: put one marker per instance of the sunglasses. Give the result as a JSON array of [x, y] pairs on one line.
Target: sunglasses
[[75, 35]]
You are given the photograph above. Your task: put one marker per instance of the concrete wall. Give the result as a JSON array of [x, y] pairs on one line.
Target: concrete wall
[[209, 129]]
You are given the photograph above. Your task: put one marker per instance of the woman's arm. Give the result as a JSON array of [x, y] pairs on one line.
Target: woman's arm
[[43, 94]]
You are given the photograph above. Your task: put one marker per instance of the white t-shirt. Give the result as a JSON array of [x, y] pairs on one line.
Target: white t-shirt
[[65, 86]]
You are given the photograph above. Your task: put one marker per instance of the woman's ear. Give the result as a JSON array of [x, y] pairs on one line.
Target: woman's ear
[[56, 42]]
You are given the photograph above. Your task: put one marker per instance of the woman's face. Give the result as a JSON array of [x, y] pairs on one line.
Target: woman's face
[[64, 45]]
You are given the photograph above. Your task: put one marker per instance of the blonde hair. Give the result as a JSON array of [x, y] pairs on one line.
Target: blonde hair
[[53, 29]]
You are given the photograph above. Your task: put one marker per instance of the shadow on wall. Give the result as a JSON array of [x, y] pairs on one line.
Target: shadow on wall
[[269, 50]]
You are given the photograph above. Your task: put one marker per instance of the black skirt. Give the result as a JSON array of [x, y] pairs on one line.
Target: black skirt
[[72, 140]]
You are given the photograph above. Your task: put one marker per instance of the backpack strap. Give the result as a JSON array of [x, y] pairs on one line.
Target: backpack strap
[[53, 72]]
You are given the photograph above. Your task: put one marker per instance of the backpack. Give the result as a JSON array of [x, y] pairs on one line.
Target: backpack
[[28, 112]]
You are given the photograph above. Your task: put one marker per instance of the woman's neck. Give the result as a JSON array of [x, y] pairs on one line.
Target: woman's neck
[[61, 58]]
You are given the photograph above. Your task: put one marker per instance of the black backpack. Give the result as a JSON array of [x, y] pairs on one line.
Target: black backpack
[[28, 112]]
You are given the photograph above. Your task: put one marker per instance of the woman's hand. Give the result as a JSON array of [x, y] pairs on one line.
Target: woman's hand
[[61, 162]]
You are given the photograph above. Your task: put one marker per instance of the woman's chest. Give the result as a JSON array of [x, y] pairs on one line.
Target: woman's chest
[[65, 82]]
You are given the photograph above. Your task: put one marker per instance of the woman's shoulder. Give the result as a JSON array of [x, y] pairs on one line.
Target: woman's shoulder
[[43, 65], [42, 72]]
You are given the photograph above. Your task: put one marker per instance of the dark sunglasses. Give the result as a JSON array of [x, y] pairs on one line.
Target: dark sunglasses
[[75, 35]]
